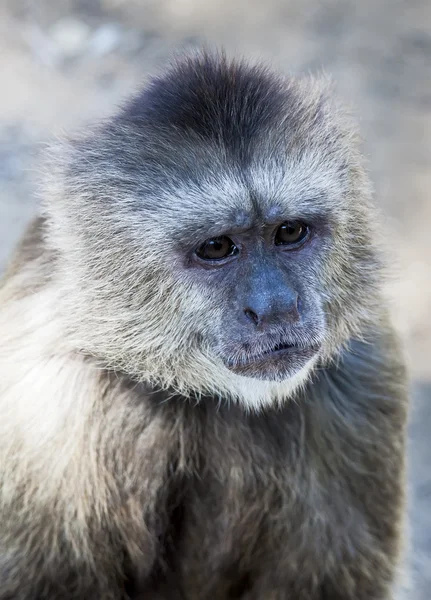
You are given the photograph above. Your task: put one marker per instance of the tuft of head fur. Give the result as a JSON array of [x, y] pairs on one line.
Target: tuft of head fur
[[207, 136]]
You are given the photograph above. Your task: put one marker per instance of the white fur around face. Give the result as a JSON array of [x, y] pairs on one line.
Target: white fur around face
[[255, 394], [209, 376], [43, 395]]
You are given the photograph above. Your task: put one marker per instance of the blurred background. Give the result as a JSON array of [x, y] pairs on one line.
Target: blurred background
[[64, 63]]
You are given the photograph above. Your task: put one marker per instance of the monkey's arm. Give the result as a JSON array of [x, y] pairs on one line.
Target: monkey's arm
[[82, 469], [361, 435]]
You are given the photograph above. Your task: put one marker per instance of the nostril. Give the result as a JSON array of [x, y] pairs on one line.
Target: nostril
[[251, 315]]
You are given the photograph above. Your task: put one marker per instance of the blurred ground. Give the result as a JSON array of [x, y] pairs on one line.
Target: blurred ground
[[64, 63]]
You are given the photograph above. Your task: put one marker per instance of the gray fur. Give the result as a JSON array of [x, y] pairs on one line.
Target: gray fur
[[136, 464]]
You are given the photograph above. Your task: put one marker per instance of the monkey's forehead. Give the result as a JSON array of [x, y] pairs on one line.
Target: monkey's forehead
[[198, 187], [223, 200]]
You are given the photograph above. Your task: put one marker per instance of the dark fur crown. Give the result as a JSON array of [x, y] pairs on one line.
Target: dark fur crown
[[227, 101]]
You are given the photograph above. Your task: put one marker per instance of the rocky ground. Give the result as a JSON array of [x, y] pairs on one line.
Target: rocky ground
[[65, 63]]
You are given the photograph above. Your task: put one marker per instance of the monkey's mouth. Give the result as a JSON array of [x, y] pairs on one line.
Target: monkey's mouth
[[274, 362], [279, 348]]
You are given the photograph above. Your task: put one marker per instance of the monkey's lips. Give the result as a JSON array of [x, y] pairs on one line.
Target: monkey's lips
[[276, 363]]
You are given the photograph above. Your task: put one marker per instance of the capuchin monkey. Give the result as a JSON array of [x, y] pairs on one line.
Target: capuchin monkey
[[201, 394]]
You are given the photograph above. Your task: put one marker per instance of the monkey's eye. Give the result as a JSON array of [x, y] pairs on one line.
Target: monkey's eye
[[291, 233], [217, 248]]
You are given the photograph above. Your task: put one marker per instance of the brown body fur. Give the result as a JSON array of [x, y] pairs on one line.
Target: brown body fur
[[113, 490], [300, 503]]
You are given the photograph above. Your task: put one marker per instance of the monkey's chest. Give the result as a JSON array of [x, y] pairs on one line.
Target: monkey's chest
[[252, 537]]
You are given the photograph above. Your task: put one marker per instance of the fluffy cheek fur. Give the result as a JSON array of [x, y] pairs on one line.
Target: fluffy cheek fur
[[166, 330], [162, 334]]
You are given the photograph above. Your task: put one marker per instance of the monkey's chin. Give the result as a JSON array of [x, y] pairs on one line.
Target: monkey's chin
[[276, 366]]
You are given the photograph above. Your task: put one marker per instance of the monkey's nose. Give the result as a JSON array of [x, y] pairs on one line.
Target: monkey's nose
[[274, 314], [251, 316]]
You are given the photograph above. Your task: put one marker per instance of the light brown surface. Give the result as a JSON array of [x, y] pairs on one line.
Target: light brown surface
[[66, 63]]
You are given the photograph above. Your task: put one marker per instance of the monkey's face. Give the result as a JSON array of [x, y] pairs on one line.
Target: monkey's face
[[260, 251], [266, 319], [216, 235]]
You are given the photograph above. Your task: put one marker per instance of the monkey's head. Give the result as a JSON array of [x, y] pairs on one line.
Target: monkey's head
[[216, 235]]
